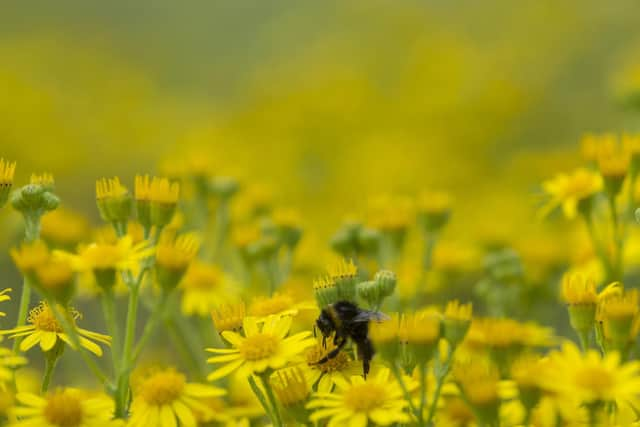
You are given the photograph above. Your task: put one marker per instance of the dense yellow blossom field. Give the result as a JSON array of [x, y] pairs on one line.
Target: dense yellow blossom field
[[351, 213]]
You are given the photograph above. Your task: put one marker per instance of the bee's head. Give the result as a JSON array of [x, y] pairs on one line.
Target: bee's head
[[325, 324]]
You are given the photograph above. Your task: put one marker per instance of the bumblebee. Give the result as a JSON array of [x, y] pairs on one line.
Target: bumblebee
[[347, 321]]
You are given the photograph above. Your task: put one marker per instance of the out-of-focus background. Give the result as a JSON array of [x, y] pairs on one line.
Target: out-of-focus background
[[326, 104]]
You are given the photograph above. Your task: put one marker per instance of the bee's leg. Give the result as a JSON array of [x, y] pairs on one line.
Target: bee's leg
[[365, 352], [314, 331], [324, 341], [333, 353]]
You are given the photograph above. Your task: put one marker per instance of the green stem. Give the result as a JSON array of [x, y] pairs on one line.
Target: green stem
[[617, 256], [584, 340], [151, 326], [276, 420], [122, 392], [109, 312], [49, 366], [606, 262], [441, 372], [263, 400], [423, 392], [405, 391]]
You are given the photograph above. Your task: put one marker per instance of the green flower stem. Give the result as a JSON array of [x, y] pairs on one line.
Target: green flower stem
[[423, 392], [261, 398], [396, 372], [602, 254], [617, 238], [585, 340], [109, 312], [49, 367], [122, 393], [151, 326], [276, 420], [441, 371]]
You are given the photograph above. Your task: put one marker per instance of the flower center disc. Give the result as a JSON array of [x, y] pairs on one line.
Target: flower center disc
[[63, 410], [259, 346], [42, 318], [365, 397], [595, 379], [163, 388], [338, 363]]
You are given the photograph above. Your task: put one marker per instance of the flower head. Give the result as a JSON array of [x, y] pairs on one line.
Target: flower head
[[205, 287], [64, 228], [279, 304], [571, 191], [166, 398], [356, 402], [261, 347], [7, 170], [156, 200], [113, 199], [63, 408], [323, 375], [229, 317], [292, 390], [45, 330], [592, 378], [173, 256]]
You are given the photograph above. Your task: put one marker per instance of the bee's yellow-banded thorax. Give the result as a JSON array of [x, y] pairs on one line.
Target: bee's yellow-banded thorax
[[334, 316]]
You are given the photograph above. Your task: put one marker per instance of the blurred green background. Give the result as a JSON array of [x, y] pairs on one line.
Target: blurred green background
[[326, 102]]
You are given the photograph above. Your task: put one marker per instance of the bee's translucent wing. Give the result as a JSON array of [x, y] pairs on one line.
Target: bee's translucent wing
[[367, 315]]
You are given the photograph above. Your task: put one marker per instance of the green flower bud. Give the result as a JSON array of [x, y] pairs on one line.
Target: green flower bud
[[386, 280], [114, 201], [224, 187]]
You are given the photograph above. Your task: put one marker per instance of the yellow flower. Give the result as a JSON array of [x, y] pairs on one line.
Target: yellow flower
[[4, 296], [156, 200], [165, 398], [229, 317], [204, 287], [323, 375], [420, 332], [63, 408], [280, 305], [357, 402], [570, 191], [7, 171], [592, 378], [123, 255], [64, 228], [45, 179], [173, 256], [46, 331], [290, 386], [478, 381], [260, 348], [113, 200], [29, 256], [578, 290], [8, 362]]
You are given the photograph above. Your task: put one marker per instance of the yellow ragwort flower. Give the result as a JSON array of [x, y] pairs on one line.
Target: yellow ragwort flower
[[323, 375], [64, 228], [578, 290], [290, 386], [204, 287], [260, 348], [4, 296], [45, 330], [358, 402], [63, 408], [165, 398], [591, 378], [571, 190], [229, 317], [7, 171], [279, 304]]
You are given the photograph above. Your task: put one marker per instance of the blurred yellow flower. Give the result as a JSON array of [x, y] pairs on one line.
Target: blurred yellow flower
[[63, 408], [570, 191], [205, 287]]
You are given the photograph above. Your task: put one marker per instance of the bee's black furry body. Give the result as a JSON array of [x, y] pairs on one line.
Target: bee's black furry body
[[347, 321]]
